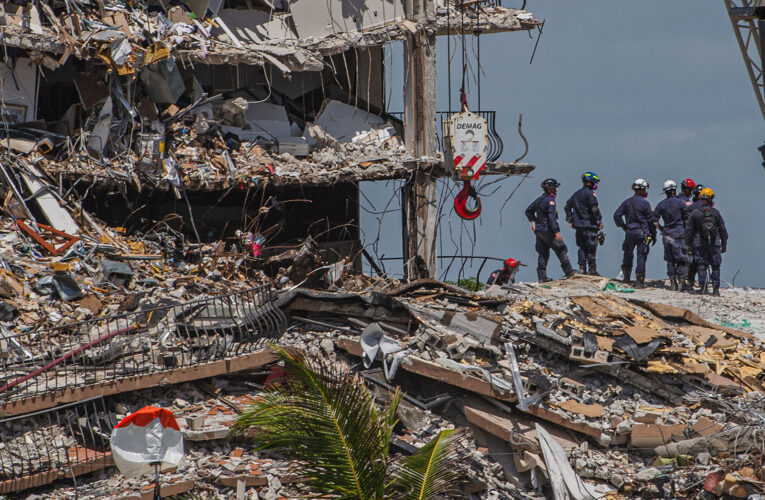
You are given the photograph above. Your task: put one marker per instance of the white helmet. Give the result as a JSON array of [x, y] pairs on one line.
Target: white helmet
[[669, 186], [640, 184]]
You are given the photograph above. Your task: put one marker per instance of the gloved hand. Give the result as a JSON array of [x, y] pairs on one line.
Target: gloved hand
[[653, 240], [724, 248], [533, 228]]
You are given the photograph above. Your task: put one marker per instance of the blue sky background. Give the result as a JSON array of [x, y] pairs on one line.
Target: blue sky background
[[652, 89]]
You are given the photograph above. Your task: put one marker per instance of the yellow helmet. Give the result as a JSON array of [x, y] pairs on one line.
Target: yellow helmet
[[706, 194]]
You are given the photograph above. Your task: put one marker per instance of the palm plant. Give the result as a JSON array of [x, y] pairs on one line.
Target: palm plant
[[323, 416]]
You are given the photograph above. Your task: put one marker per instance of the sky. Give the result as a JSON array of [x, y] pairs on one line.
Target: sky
[[654, 89]]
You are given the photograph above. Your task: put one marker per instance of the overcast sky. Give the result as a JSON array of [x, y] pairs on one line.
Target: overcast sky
[[653, 89]]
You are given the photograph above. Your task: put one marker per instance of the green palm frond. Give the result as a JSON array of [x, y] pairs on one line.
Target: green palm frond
[[431, 470], [324, 417]]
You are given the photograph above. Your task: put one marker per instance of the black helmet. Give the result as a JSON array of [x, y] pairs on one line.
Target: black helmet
[[697, 189], [550, 183]]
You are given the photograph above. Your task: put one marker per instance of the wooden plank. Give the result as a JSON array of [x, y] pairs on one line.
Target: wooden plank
[[176, 376], [419, 366], [57, 216]]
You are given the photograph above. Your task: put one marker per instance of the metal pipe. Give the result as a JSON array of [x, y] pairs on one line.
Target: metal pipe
[[65, 357]]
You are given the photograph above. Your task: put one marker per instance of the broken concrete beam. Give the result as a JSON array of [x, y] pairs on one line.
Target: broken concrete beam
[[586, 428], [419, 366], [185, 374], [653, 435], [249, 480]]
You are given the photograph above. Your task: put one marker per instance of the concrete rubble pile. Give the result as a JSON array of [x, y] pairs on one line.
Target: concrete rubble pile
[[563, 386], [645, 398]]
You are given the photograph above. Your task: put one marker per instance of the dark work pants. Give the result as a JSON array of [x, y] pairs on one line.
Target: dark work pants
[[546, 241], [674, 254], [635, 240], [587, 241], [708, 255]]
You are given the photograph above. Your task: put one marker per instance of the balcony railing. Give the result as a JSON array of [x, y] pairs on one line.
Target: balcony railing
[[54, 444], [160, 338], [495, 141]]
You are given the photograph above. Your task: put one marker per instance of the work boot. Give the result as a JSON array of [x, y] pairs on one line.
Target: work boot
[[544, 279], [640, 281], [673, 283], [687, 286], [582, 269], [593, 271], [570, 273], [627, 272], [702, 288], [716, 290]]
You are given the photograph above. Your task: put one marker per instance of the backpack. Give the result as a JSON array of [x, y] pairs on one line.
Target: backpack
[[709, 229]]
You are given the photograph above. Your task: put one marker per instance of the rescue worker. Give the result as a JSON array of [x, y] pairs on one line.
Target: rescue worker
[[692, 265], [634, 216], [686, 191], [544, 224], [672, 211], [706, 232], [583, 214], [505, 275]]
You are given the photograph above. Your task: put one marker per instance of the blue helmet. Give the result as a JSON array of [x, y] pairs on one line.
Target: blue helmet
[[590, 177]]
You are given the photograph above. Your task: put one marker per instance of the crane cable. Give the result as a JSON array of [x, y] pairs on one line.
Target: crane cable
[[467, 191]]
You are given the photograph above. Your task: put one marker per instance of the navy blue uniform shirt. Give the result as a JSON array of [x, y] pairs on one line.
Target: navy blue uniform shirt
[[690, 208], [672, 211], [582, 210], [634, 214], [543, 213]]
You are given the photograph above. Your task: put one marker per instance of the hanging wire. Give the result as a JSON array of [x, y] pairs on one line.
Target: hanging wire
[[448, 53]]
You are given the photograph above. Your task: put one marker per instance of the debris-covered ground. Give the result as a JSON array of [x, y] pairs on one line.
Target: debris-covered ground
[[650, 394]]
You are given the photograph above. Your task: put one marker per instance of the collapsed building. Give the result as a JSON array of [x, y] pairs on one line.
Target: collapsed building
[[231, 115], [181, 188]]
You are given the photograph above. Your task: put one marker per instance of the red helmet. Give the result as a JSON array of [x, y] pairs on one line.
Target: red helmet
[[688, 183], [511, 263]]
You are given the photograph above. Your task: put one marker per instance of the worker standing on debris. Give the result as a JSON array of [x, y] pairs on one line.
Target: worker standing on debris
[[690, 277], [635, 217], [583, 214], [505, 275], [544, 224], [672, 211], [706, 232]]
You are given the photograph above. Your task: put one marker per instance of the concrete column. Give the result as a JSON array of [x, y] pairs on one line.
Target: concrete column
[[419, 204]]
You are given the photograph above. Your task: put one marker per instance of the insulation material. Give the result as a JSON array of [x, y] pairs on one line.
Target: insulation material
[[341, 16], [18, 91]]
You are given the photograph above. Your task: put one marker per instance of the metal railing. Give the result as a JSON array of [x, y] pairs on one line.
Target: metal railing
[[63, 442], [496, 146], [155, 338]]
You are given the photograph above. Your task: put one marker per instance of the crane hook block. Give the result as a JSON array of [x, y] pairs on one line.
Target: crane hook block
[[460, 202]]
